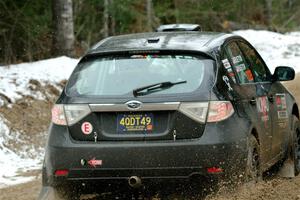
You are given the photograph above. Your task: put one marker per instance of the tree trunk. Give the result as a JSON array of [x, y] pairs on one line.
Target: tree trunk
[[112, 19], [149, 15], [106, 19], [176, 10], [290, 3], [63, 40], [268, 12]]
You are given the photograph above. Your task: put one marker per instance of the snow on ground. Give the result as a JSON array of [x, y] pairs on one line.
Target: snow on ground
[[14, 79], [275, 48], [11, 163], [14, 82]]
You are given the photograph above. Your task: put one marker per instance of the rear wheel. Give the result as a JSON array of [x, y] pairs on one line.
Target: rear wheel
[[295, 149], [253, 171]]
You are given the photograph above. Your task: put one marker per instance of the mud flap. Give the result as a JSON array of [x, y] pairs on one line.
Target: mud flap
[[288, 169], [48, 193]]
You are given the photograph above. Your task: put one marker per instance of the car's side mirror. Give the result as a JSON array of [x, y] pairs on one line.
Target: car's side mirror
[[282, 73]]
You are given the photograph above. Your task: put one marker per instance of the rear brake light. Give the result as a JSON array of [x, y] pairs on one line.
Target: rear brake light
[[58, 115], [69, 114], [219, 110], [214, 170], [196, 111], [61, 172]]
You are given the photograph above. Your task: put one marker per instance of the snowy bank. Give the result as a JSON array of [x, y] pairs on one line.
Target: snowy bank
[[12, 164], [14, 79], [14, 84]]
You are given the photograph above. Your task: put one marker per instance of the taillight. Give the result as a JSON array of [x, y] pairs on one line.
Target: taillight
[[58, 115], [219, 110], [74, 113], [212, 111], [196, 111], [69, 114]]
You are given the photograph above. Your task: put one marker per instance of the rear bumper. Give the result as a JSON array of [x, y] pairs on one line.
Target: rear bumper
[[226, 149]]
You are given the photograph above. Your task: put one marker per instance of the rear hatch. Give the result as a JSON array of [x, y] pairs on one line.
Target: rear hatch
[[139, 97]]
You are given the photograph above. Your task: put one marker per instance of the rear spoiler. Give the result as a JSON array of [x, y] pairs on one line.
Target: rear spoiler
[[178, 27]]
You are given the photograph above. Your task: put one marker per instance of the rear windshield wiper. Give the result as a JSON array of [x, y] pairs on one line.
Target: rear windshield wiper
[[155, 88]]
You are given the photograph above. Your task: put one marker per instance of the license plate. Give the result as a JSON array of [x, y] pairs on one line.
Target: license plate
[[135, 122]]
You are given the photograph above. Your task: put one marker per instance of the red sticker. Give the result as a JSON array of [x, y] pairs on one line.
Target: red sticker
[[231, 74], [94, 162], [249, 75], [278, 100], [86, 128]]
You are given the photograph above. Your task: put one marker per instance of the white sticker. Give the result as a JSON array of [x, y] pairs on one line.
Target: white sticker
[[282, 114], [265, 118], [226, 64], [229, 70], [240, 68], [237, 59], [87, 128]]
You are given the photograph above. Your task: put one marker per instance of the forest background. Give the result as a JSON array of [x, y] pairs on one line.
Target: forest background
[[38, 29]]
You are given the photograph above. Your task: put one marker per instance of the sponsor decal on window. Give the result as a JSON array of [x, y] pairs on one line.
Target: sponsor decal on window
[[237, 59], [249, 75], [240, 68], [228, 67], [226, 63]]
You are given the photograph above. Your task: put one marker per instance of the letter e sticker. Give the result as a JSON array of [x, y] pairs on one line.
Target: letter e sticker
[[86, 128]]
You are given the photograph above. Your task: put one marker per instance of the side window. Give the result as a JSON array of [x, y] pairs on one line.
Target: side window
[[261, 74], [239, 63]]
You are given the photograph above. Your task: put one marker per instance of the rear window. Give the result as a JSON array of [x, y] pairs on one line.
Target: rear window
[[120, 75]]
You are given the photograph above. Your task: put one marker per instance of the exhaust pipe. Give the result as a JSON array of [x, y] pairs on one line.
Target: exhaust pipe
[[135, 182]]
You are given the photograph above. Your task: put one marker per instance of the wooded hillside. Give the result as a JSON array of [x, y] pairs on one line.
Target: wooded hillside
[[29, 30]]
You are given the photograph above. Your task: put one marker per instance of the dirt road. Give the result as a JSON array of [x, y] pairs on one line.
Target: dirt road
[[27, 191], [275, 189]]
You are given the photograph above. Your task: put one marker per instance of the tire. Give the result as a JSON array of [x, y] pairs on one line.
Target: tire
[[295, 149], [44, 178], [253, 169]]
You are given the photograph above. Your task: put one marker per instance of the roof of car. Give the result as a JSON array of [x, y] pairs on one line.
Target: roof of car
[[186, 40]]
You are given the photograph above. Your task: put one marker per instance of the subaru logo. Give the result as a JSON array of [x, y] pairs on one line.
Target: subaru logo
[[134, 105]]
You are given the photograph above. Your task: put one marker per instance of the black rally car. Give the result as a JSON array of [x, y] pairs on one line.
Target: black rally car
[[170, 105]]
